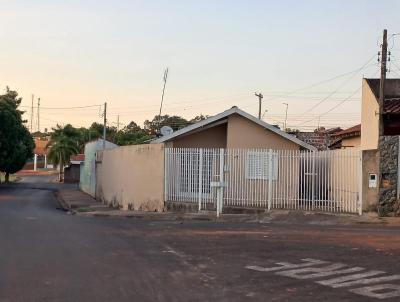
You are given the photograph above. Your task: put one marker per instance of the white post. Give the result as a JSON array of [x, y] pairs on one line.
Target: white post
[[35, 162], [200, 176], [166, 174], [313, 180], [360, 184], [45, 161], [220, 192], [269, 179]]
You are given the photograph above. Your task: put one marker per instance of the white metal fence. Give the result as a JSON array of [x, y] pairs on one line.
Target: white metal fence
[[281, 179]]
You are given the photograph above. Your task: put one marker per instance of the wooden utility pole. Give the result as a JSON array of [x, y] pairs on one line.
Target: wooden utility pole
[[117, 123], [38, 113], [380, 117], [104, 125], [32, 113], [260, 97], [382, 84]]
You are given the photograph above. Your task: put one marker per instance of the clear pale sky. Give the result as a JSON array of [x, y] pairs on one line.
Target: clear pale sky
[[77, 53]]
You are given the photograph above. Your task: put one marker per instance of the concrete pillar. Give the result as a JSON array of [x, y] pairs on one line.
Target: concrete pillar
[[35, 163], [45, 161]]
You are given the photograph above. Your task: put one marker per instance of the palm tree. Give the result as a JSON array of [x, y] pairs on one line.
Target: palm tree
[[62, 148]]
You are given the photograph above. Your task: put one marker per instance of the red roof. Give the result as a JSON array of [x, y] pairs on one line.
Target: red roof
[[355, 130], [392, 106], [78, 157], [40, 146]]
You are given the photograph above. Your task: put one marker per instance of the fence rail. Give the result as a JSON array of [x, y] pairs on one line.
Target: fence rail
[[281, 179]]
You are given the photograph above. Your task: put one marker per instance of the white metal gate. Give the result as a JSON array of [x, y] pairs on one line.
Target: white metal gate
[[282, 179]]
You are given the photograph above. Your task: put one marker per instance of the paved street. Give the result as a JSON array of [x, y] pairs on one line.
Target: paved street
[[47, 255]]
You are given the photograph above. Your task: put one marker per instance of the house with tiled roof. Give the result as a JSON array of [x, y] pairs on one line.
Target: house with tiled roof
[[370, 111], [348, 138]]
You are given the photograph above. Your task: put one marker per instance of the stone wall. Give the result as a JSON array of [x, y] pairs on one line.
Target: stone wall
[[389, 153]]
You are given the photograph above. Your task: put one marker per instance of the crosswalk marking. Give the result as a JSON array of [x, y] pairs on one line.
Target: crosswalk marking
[[313, 268]]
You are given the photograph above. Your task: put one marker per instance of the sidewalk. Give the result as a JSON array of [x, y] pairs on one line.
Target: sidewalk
[[77, 202]]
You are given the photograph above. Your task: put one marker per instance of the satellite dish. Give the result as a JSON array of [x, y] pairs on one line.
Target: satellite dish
[[166, 130]]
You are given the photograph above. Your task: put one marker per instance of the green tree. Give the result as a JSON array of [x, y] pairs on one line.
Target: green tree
[[132, 134], [16, 143], [175, 122], [62, 147]]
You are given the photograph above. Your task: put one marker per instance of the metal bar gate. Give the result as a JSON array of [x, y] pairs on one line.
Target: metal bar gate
[[271, 179]]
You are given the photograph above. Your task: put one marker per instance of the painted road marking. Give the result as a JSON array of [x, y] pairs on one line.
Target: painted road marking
[[376, 291], [312, 268]]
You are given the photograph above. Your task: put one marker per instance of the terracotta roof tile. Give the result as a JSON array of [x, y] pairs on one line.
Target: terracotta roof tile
[[40, 147], [392, 106], [78, 157], [352, 130]]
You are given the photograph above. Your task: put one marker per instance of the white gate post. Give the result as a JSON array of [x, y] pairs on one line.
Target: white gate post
[[220, 189], [35, 162], [313, 180], [166, 173], [269, 179], [200, 176]]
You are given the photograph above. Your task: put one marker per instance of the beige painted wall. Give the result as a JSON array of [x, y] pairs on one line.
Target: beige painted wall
[[132, 177], [243, 133], [369, 120], [351, 142], [370, 166], [214, 137]]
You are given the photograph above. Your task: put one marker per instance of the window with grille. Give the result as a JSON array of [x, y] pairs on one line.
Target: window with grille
[[257, 165]]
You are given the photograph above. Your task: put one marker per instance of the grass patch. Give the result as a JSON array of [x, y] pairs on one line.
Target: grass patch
[[13, 178]]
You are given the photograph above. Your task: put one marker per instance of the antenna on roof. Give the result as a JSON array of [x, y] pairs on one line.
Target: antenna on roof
[[166, 130], [163, 91]]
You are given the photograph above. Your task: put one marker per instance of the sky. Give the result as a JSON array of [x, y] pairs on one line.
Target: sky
[[219, 53]]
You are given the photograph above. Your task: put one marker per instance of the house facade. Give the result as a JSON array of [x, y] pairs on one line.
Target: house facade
[[87, 182], [233, 129], [381, 168]]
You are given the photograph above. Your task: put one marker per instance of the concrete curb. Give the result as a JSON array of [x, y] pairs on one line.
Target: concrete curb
[[272, 217], [63, 204]]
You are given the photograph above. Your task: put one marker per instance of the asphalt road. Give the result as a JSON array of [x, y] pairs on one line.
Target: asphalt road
[[47, 255]]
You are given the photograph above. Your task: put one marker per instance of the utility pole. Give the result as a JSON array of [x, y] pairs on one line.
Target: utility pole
[[287, 106], [382, 83], [32, 113], [105, 125], [381, 105], [260, 97], [117, 123], [38, 113]]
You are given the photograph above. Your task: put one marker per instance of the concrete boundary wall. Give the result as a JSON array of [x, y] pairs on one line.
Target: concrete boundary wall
[[132, 177]]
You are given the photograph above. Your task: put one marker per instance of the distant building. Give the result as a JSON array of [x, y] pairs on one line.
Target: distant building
[[72, 172], [348, 138], [320, 138]]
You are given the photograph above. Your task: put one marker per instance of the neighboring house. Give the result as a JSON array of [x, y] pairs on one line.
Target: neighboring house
[[87, 181], [370, 110], [381, 181], [40, 155], [233, 128], [72, 172], [320, 138], [348, 138]]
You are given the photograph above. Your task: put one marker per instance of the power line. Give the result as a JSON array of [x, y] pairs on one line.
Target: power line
[[65, 108], [340, 86]]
